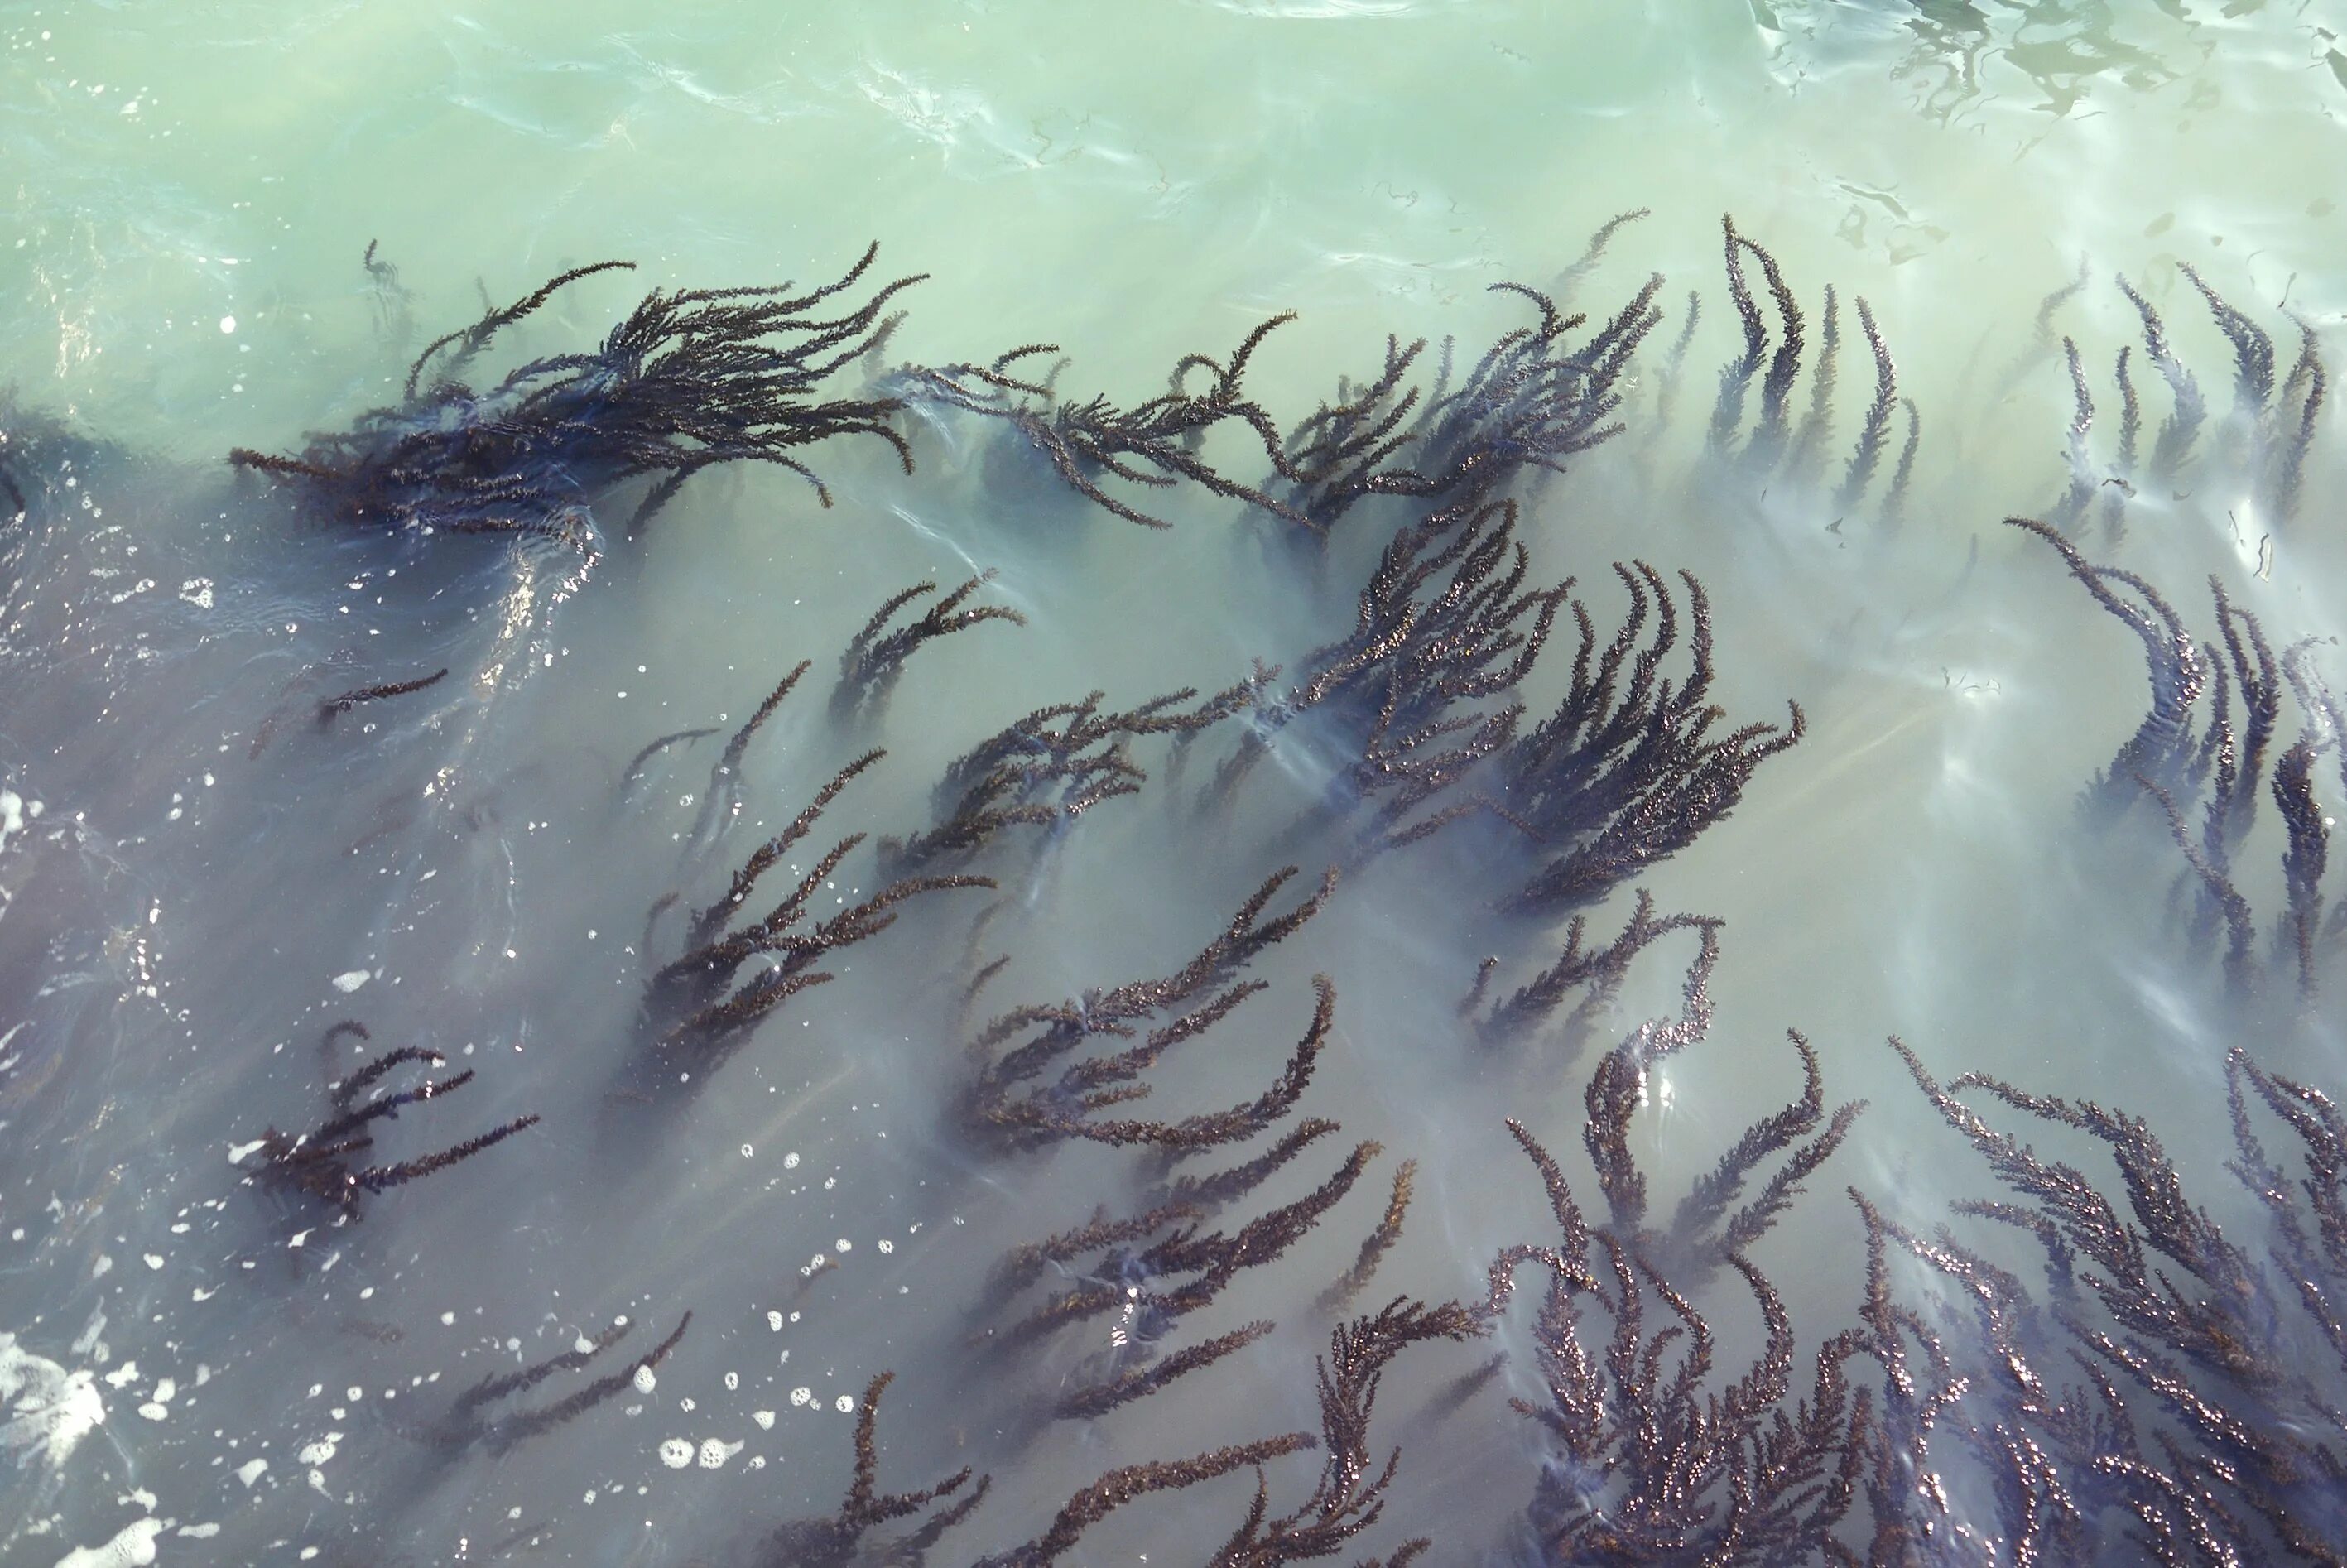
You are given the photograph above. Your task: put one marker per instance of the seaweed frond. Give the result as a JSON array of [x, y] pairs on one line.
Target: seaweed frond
[[690, 379], [838, 1542], [319, 1163], [1152, 444]]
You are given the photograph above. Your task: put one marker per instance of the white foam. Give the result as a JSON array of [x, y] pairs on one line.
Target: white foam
[[134, 1547], [51, 1409]]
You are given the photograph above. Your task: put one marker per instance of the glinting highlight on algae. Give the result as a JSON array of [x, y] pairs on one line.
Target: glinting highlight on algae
[[1243, 783]]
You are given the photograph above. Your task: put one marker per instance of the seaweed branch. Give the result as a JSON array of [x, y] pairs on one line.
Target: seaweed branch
[[690, 379], [1152, 444], [319, 1163], [838, 1542], [873, 659]]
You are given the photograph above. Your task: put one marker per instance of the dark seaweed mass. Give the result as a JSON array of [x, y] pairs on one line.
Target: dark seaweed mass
[[2158, 1386]]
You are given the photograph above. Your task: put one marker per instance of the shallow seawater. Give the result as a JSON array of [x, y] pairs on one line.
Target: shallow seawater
[[201, 877]]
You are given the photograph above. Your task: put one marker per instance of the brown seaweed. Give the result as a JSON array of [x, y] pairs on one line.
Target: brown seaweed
[[690, 379], [1530, 402], [873, 659], [838, 1540], [699, 1006], [1152, 444], [318, 1163], [2270, 430], [1128, 1483], [469, 1422], [1047, 768], [1596, 973], [1625, 772], [1010, 1099], [2203, 766], [349, 700], [1627, 769], [1350, 1495], [2237, 1451], [1773, 445]]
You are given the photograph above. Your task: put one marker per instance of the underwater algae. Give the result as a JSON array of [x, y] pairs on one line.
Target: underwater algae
[[1242, 1067]]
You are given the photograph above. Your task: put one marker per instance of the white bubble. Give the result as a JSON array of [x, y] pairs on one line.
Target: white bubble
[[765, 1419], [791, 1160], [676, 1453], [886, 1247], [714, 1453], [802, 1395], [842, 1245], [644, 1380], [842, 1404], [732, 1380], [774, 1321], [228, 323]]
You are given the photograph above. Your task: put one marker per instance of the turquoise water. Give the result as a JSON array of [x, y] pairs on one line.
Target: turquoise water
[[199, 877]]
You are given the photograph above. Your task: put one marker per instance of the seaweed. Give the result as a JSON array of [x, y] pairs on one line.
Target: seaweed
[[318, 1164], [349, 700], [2213, 764], [1097, 1398], [1152, 444], [690, 379], [468, 1420], [1654, 1455], [1531, 401], [1151, 1287], [1374, 1245], [700, 1006], [2240, 1455], [1773, 445], [837, 1541], [1010, 1100], [1340, 454], [2163, 751], [1350, 1495], [1625, 772], [1047, 768], [394, 303], [2271, 430], [1128, 1483], [1598, 973], [873, 661], [653, 748], [1649, 1461], [1422, 647]]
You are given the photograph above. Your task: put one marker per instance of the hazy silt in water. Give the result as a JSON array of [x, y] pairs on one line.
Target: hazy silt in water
[[1110, 797]]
